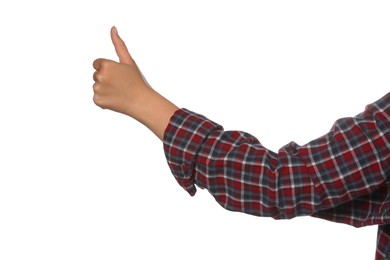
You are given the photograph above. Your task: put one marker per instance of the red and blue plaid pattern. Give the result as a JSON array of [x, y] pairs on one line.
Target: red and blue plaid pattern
[[343, 176]]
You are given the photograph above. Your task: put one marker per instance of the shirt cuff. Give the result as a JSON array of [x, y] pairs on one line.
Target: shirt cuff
[[183, 138]]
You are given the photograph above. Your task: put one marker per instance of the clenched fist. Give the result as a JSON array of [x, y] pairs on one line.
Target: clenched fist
[[121, 87], [118, 86]]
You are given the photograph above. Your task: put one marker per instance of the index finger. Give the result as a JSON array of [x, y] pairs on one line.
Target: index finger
[[97, 64]]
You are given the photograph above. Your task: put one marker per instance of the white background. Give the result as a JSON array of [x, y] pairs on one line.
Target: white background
[[78, 182]]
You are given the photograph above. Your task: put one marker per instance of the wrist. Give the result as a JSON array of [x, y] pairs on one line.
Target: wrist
[[153, 110]]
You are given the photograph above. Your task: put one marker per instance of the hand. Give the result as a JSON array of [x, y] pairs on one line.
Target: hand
[[119, 86]]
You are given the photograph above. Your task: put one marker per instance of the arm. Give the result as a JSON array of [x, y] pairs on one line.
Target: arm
[[351, 161]]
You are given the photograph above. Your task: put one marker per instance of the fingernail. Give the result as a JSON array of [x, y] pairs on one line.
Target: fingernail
[[115, 30]]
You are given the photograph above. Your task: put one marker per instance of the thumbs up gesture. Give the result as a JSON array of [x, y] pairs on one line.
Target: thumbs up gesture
[[121, 87], [118, 85]]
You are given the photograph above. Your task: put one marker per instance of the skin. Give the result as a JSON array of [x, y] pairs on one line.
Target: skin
[[121, 87]]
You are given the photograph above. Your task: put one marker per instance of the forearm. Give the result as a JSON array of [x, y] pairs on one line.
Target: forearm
[[154, 111]]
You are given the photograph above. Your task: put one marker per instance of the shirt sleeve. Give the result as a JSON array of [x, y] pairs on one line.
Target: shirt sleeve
[[349, 162], [383, 243]]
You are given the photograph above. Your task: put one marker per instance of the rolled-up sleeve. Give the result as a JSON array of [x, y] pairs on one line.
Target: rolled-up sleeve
[[349, 162]]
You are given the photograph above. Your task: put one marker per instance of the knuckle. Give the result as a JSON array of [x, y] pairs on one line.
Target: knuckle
[[96, 64], [103, 64], [106, 64], [99, 77], [96, 87], [95, 76], [98, 101], [95, 100]]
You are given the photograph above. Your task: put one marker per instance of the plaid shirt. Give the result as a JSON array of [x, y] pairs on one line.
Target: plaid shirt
[[343, 176]]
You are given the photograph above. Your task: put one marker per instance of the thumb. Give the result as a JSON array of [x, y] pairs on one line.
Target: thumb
[[120, 47]]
